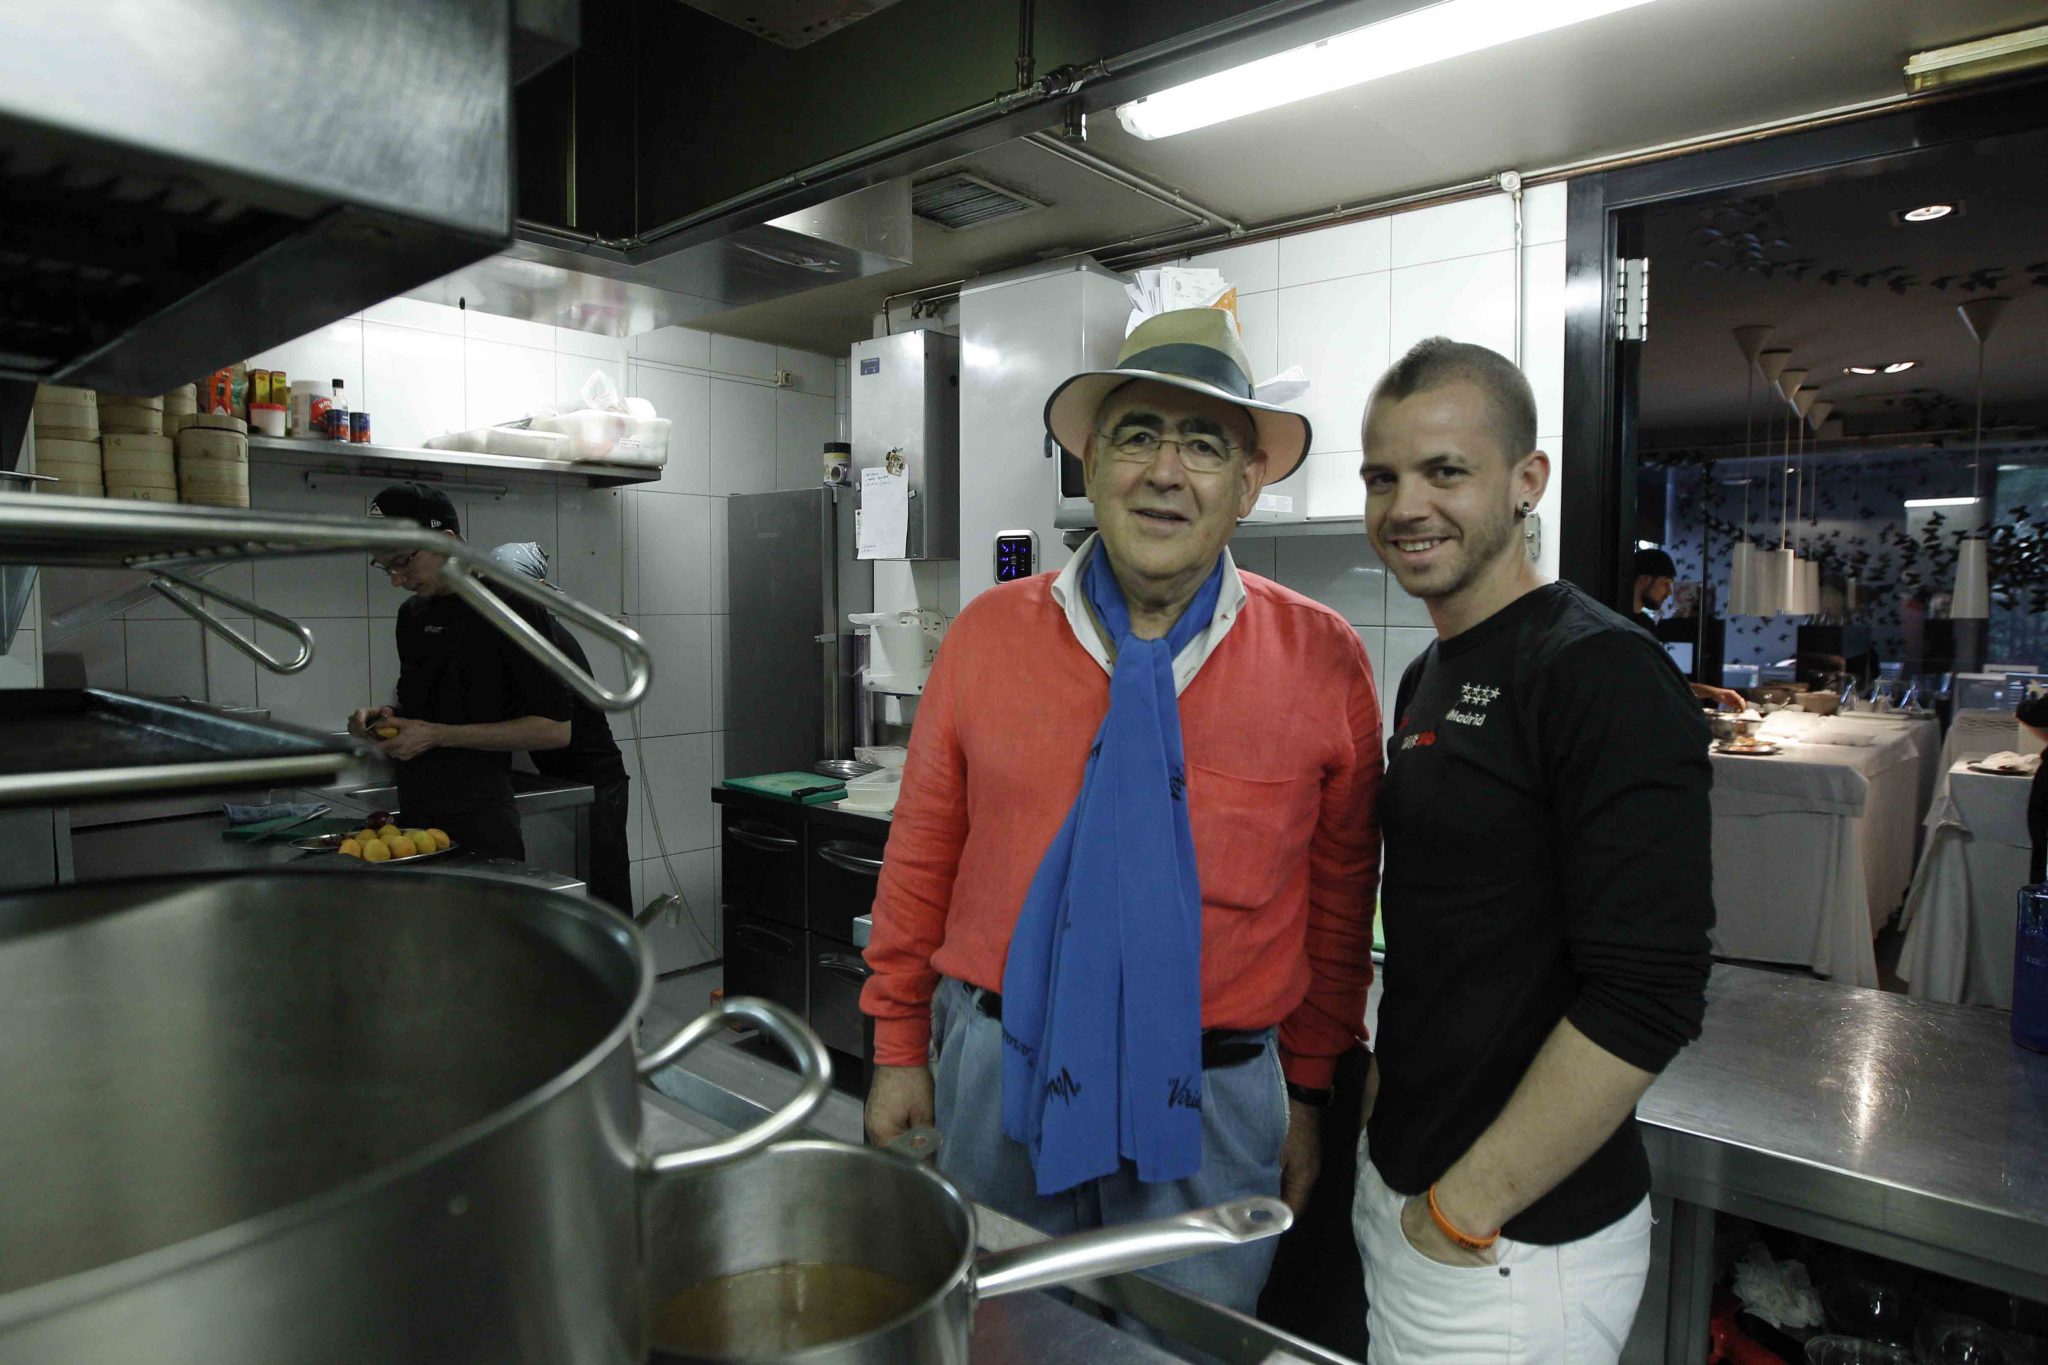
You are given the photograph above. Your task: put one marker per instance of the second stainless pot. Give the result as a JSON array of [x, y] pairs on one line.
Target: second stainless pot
[[820, 1253]]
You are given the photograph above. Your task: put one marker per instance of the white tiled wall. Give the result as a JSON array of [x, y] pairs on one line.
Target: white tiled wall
[[1344, 303], [652, 555]]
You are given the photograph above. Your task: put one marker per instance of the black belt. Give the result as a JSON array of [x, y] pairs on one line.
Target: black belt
[[1221, 1047]]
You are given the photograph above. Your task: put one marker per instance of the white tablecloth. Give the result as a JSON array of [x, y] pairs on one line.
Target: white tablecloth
[[1961, 913], [1813, 850], [1923, 731], [1973, 734]]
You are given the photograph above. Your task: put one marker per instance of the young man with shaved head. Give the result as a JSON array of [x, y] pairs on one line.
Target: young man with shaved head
[[1546, 902]]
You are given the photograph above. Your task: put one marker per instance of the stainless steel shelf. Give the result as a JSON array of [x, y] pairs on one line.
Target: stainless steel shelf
[[409, 459], [175, 541], [59, 746]]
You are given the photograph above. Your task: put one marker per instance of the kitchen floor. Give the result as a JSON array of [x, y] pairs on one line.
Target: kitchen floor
[[689, 991]]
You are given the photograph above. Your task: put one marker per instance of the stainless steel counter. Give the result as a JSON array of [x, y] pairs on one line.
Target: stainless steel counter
[[169, 836], [1908, 1128]]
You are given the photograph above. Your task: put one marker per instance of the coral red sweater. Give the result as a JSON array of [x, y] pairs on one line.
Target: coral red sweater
[[1281, 729]]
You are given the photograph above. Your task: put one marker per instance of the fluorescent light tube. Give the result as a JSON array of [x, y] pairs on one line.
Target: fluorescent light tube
[[1435, 33], [1940, 502], [2020, 50]]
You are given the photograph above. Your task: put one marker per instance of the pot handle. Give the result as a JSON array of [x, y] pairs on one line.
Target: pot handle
[[813, 1067], [1133, 1246]]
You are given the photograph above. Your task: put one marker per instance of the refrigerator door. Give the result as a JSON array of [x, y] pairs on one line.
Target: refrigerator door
[[788, 695]]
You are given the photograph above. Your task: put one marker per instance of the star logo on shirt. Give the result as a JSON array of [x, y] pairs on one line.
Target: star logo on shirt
[[1474, 694]]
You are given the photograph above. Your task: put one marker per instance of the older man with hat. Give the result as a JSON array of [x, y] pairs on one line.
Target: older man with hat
[[1124, 923]]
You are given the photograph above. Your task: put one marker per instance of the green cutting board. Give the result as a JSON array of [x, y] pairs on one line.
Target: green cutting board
[[781, 786]]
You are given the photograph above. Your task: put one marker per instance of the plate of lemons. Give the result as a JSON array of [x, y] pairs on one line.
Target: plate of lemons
[[384, 844]]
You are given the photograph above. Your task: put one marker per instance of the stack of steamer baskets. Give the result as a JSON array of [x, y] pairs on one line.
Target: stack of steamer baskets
[[68, 440], [134, 451], [213, 460]]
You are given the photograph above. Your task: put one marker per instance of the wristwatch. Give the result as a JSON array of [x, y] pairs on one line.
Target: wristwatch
[[1311, 1096]]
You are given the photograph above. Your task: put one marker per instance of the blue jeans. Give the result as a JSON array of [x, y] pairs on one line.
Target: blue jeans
[[1244, 1124]]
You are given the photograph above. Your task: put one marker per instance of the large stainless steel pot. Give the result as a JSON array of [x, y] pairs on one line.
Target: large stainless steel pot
[[276, 1118], [818, 1253]]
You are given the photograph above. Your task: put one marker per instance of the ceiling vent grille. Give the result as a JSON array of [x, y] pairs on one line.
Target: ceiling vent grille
[[961, 201]]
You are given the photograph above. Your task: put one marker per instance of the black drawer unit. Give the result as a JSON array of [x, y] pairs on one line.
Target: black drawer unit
[[836, 975], [763, 844], [789, 869], [842, 863], [766, 958]]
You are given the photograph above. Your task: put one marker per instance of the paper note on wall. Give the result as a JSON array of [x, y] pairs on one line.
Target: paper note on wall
[[884, 514]]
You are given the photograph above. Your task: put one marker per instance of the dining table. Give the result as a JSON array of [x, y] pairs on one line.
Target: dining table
[[1962, 913], [1813, 847]]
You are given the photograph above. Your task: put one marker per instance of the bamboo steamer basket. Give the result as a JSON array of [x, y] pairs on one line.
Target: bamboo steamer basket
[[122, 451], [136, 494], [50, 448], [71, 473], [76, 488], [154, 402], [64, 393], [140, 478], [68, 418], [207, 443], [131, 419]]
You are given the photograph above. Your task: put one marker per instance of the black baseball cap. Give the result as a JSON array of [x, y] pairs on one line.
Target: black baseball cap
[[417, 502], [1654, 564]]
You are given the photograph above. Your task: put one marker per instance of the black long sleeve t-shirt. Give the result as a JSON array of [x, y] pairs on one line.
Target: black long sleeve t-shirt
[[1545, 809]]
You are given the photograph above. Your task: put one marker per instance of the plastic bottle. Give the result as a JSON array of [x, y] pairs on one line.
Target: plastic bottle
[[2030, 971]]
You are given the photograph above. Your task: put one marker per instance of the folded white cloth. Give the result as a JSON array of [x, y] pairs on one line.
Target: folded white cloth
[[1834, 730], [2006, 761]]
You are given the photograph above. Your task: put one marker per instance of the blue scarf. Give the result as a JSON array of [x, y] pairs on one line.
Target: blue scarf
[[1102, 1014]]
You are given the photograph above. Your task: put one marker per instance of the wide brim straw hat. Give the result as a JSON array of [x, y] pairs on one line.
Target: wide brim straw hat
[[1195, 349]]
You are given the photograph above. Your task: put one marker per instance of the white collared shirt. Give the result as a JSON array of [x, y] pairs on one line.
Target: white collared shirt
[[1073, 599]]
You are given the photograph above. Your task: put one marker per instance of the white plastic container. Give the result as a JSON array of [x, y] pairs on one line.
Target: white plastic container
[[614, 437]]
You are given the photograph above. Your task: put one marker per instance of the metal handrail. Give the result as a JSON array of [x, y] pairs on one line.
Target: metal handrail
[[96, 533], [167, 583]]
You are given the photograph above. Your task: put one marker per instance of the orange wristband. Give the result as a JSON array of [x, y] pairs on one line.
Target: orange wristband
[[1463, 1239]]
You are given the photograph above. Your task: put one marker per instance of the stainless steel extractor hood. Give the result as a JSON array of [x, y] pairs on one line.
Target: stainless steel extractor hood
[[187, 182], [621, 287]]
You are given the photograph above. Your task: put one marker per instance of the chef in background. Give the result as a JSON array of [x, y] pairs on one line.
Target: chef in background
[[591, 756], [468, 697]]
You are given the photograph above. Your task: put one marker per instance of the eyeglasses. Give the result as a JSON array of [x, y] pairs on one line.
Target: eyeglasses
[[1203, 454], [396, 565]]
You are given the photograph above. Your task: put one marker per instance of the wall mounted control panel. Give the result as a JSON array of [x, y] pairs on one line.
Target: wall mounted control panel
[[1016, 555]]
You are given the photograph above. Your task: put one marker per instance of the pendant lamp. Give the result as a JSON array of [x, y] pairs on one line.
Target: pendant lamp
[[1972, 598], [1742, 557], [1791, 573], [1809, 567], [1741, 565], [1816, 418]]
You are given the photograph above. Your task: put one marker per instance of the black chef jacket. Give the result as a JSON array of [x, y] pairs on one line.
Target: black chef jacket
[[456, 668]]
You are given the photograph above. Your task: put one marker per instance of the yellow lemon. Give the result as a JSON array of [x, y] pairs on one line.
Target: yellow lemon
[[375, 851], [387, 732], [421, 840], [364, 835], [402, 847], [440, 840], [388, 833], [352, 847]]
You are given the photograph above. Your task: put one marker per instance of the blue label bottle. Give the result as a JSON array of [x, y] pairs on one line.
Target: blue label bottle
[[2030, 971]]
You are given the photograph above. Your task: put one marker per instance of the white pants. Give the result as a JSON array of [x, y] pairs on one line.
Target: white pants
[[1573, 1303]]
